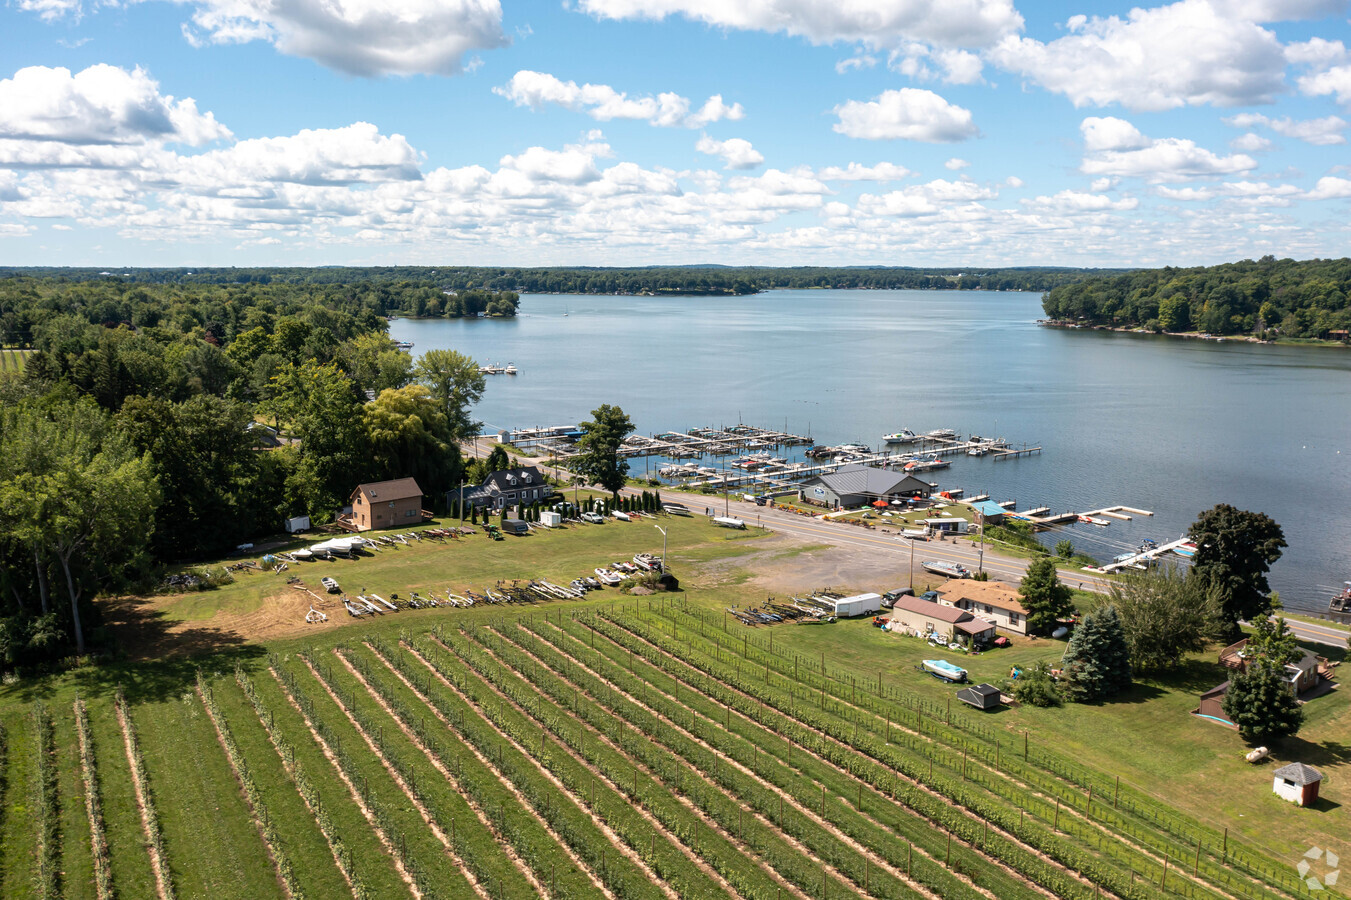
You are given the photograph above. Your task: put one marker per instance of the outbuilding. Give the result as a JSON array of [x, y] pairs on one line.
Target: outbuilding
[[1297, 783], [981, 696], [987, 511], [922, 617], [1212, 705], [859, 485], [385, 504]]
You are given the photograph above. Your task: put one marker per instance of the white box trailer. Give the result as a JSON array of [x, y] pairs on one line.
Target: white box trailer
[[858, 605], [550, 519], [297, 523]]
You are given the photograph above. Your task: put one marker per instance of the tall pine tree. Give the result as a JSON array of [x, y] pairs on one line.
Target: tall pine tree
[[1097, 661], [1047, 600], [1261, 704]]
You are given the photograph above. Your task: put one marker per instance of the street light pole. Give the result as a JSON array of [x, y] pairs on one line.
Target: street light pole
[[912, 564]]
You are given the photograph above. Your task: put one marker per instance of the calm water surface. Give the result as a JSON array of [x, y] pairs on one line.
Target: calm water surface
[[1156, 423]]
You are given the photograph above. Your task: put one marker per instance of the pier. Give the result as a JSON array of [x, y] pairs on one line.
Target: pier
[[1141, 557]]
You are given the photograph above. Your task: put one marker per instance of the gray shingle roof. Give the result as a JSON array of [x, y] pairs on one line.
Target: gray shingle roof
[[1298, 773], [861, 479]]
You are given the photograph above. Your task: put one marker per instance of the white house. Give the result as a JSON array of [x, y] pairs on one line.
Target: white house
[[990, 600]]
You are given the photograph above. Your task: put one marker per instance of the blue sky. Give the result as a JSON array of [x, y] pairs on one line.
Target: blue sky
[[634, 132]]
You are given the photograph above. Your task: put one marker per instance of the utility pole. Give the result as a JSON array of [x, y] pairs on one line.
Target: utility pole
[[663, 547], [912, 564]]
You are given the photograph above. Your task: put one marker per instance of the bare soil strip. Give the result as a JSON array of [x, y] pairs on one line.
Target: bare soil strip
[[329, 836], [149, 822], [403, 785], [351, 789], [440, 767]]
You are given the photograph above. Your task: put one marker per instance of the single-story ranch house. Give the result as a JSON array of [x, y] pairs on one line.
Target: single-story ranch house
[[952, 624]]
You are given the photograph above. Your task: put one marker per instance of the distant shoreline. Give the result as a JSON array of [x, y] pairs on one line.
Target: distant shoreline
[[1193, 335]]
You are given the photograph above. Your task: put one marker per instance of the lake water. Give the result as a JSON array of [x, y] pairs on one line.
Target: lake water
[[1155, 423]]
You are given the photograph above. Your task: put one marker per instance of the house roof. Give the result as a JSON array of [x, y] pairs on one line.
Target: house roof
[[947, 614], [385, 491], [988, 508], [1298, 773], [513, 479], [1218, 690], [985, 690], [873, 482], [988, 593], [974, 626]]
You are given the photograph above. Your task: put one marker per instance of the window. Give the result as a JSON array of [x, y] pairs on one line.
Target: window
[[410, 512], [511, 496]]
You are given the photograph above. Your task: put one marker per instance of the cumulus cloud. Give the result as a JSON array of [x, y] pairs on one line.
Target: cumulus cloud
[[1071, 203], [1330, 187], [883, 171], [736, 153], [955, 164], [395, 37], [1251, 143], [962, 23], [910, 114], [1185, 54], [1116, 147], [604, 103], [955, 66], [51, 10], [1322, 132], [356, 153], [1335, 81], [99, 105], [924, 199]]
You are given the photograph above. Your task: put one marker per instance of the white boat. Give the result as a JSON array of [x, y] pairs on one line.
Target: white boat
[[622, 516], [941, 434], [302, 554], [608, 577], [510, 369], [728, 522], [904, 436], [940, 567], [404, 345], [945, 670]]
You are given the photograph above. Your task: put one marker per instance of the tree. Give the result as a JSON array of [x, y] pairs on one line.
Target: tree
[[1064, 549], [375, 362], [1036, 687], [1261, 704], [321, 404], [409, 436], [497, 461], [457, 384], [599, 459], [1165, 614], [1234, 552], [1097, 661], [1273, 641], [1047, 600]]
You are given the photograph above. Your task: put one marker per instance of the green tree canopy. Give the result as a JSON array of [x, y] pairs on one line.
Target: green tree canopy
[[1047, 600], [599, 459], [1097, 661], [457, 384], [1261, 704], [322, 407], [1165, 614], [409, 436], [1234, 551]]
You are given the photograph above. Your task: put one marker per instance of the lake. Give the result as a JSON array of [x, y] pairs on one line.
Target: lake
[[1162, 424]]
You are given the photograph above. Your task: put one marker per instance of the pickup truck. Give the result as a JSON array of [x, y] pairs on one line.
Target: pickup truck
[[593, 518]]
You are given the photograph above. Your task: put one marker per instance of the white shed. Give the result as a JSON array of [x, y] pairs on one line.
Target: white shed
[[550, 519], [1297, 783], [858, 605]]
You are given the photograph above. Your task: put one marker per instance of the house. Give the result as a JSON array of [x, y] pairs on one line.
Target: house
[[384, 504], [1297, 783], [923, 617], [981, 696], [1301, 675], [859, 485], [992, 601], [509, 487], [945, 525]]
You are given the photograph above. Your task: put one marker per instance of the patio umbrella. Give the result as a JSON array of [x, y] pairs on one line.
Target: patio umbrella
[[881, 504]]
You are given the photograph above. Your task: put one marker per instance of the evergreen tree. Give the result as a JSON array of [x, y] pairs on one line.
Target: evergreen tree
[[1261, 704], [1045, 598], [1234, 551], [1097, 661]]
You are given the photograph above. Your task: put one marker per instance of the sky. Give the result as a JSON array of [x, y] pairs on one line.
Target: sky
[[642, 132]]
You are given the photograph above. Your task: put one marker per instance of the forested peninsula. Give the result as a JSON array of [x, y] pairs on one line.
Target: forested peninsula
[[409, 284], [1268, 299]]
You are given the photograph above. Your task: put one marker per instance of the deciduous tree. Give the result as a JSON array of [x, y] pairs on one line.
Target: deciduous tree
[[1165, 614], [599, 459], [1234, 551], [457, 384]]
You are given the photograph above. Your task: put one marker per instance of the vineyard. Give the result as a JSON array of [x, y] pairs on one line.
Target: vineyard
[[12, 361], [640, 752]]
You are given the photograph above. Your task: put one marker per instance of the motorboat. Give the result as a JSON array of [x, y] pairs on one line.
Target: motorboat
[[404, 345], [1186, 551], [609, 577], [510, 369], [330, 585], [904, 436], [945, 434], [942, 567], [949, 672]]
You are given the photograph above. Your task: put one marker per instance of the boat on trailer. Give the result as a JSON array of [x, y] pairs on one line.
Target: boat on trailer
[[942, 567], [942, 669]]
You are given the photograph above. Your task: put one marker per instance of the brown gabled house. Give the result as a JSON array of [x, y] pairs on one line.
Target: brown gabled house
[[384, 504]]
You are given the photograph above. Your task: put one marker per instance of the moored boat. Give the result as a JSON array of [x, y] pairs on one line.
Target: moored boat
[[942, 567], [904, 436]]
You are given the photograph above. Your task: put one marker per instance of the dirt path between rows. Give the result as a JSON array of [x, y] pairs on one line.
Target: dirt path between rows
[[163, 885]]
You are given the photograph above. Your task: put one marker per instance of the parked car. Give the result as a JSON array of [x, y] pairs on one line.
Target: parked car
[[931, 596], [890, 597], [593, 518]]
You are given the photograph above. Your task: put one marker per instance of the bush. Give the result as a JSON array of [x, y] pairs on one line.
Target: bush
[[1036, 687]]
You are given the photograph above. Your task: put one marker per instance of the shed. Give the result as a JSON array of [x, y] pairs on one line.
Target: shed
[[981, 696], [1212, 705], [858, 605], [1297, 783], [515, 526], [551, 519], [988, 511]]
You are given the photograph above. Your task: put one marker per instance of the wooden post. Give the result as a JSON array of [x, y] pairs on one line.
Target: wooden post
[[909, 860], [1163, 880], [1116, 794], [947, 857], [1225, 851], [860, 796], [1025, 748], [1056, 824], [1196, 866], [823, 800]]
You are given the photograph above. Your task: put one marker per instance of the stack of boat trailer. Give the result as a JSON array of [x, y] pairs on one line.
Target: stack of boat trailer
[[771, 613]]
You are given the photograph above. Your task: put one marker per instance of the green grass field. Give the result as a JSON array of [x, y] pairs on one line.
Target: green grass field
[[12, 361], [629, 746]]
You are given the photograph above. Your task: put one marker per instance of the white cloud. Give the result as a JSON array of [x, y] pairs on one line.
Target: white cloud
[[604, 103], [51, 10], [924, 199], [736, 153], [908, 114], [1316, 52], [1330, 187], [99, 105], [358, 37], [883, 171], [1187, 194], [955, 164], [1251, 143], [1336, 80], [357, 153], [1185, 54], [963, 23], [1323, 132], [1098, 185], [858, 61], [1116, 147], [1070, 203], [958, 66]]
